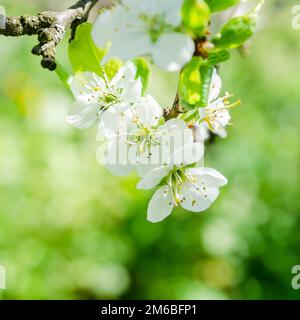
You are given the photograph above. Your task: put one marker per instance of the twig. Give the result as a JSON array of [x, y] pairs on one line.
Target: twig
[[176, 109], [50, 27]]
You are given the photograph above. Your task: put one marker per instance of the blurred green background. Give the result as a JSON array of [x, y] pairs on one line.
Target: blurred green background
[[69, 229]]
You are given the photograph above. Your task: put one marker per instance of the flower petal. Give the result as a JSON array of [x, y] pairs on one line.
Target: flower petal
[[148, 111], [179, 130], [211, 178], [131, 44], [126, 37], [148, 160], [116, 120], [174, 124], [170, 10], [83, 86], [125, 79], [173, 135], [197, 200], [143, 169], [161, 205], [116, 158], [188, 154], [132, 90], [108, 26], [124, 74], [172, 51], [215, 87], [201, 131], [82, 115], [153, 178]]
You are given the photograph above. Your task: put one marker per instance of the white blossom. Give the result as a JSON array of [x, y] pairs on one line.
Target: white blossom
[[144, 143], [145, 27], [216, 116], [98, 97], [194, 188]]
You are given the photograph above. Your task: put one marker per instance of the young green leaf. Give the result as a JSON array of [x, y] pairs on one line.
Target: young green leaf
[[190, 83], [220, 5], [112, 66], [236, 31], [206, 72], [218, 56], [195, 16], [143, 72], [83, 53]]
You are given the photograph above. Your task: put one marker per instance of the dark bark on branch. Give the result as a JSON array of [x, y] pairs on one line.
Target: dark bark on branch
[[174, 111], [50, 27]]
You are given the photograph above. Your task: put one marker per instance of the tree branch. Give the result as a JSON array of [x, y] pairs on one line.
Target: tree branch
[[50, 27], [174, 111]]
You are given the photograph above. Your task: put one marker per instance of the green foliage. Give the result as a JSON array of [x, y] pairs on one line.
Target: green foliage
[[190, 83], [195, 16], [236, 31], [219, 5], [218, 56], [206, 72], [112, 67], [71, 230], [195, 79], [143, 72], [83, 53]]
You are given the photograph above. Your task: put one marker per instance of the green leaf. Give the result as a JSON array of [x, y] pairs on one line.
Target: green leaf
[[236, 31], [112, 67], [190, 83], [195, 16], [206, 72], [220, 5], [143, 72], [218, 56], [83, 53]]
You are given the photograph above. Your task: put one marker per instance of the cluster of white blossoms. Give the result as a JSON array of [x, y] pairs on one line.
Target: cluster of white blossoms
[[164, 153], [148, 27], [167, 154]]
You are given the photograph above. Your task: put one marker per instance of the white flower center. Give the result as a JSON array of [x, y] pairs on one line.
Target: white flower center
[[217, 113], [105, 97], [177, 179], [155, 25], [144, 137]]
